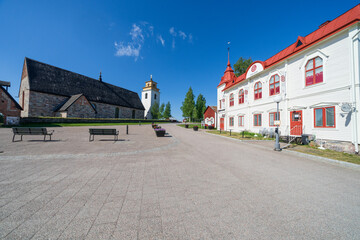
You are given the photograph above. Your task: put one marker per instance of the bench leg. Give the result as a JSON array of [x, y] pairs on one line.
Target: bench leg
[[14, 138], [44, 138], [21, 137], [92, 138], [50, 137]]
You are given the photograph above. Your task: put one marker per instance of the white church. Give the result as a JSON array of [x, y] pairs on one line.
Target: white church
[[318, 79], [150, 94]]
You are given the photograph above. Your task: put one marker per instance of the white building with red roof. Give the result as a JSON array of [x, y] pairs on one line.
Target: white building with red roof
[[318, 78]]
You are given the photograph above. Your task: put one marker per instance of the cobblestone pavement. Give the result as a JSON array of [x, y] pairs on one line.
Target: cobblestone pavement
[[189, 185]]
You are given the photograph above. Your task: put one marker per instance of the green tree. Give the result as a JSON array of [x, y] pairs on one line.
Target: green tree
[[242, 65], [155, 111], [167, 111], [200, 107], [188, 104], [161, 110]]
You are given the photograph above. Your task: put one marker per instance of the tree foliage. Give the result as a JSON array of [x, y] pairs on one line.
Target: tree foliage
[[161, 110], [155, 113], [167, 111], [200, 107], [188, 105], [242, 65]]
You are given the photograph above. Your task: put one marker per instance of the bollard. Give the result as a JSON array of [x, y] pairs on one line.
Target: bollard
[[139, 123], [243, 132], [127, 129], [220, 130], [230, 132]]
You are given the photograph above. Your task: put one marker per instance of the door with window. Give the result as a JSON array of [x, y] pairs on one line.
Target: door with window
[[222, 120], [296, 123]]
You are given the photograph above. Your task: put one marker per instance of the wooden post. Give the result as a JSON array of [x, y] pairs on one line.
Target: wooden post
[[127, 129]]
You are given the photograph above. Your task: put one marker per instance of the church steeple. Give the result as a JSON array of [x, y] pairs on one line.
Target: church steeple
[[229, 75]]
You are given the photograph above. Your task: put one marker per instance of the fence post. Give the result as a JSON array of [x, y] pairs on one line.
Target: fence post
[[230, 132], [127, 129]]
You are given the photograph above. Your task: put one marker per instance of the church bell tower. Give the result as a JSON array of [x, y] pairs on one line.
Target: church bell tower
[[150, 94]]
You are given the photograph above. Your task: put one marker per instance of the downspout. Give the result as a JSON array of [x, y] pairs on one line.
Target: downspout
[[353, 84]]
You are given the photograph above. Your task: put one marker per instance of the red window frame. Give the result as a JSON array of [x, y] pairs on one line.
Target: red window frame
[[241, 121], [231, 121], [231, 102], [257, 90], [241, 96], [314, 79], [273, 89], [272, 115], [324, 118], [257, 123]]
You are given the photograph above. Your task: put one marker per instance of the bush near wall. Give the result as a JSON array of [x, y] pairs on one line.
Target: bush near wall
[[84, 120]]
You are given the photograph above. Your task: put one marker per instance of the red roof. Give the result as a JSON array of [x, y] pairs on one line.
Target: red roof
[[325, 30]]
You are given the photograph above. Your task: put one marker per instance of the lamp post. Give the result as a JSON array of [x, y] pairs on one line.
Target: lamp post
[[277, 99]]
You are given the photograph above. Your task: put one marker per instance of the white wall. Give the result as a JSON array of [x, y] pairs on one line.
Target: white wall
[[336, 88], [148, 103]]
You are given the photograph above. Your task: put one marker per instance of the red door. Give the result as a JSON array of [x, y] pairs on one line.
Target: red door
[[296, 123], [222, 123]]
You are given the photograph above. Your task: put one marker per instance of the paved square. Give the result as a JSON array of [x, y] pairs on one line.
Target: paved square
[[190, 185]]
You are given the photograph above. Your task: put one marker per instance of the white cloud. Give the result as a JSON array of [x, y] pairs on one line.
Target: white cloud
[[172, 31], [127, 50], [133, 48], [182, 35], [190, 38], [160, 38]]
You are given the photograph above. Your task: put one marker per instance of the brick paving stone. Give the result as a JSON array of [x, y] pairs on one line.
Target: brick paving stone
[[191, 185]]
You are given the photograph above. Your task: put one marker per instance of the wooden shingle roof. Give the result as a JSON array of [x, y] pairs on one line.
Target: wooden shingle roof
[[53, 80]]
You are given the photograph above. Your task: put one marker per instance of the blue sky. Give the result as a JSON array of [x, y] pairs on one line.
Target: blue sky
[[181, 43]]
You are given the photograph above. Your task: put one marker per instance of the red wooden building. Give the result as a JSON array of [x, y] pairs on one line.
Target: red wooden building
[[9, 108], [210, 116]]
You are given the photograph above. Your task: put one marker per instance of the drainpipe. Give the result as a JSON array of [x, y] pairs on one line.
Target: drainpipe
[[353, 84]]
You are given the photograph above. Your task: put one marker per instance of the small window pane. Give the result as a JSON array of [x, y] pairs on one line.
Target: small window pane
[[271, 119], [259, 120], [318, 75], [330, 117], [309, 78], [318, 62], [309, 65], [319, 117], [271, 80], [277, 78]]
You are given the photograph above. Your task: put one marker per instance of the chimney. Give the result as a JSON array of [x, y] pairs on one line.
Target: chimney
[[100, 78], [322, 25]]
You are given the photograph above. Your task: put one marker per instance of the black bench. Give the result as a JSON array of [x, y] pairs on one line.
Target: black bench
[[31, 131], [104, 131]]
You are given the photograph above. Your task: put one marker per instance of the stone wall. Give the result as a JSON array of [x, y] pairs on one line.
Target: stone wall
[[42, 105], [83, 120], [109, 111], [7, 106], [81, 108], [24, 96]]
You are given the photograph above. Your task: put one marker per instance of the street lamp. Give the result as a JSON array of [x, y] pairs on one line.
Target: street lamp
[[277, 99]]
